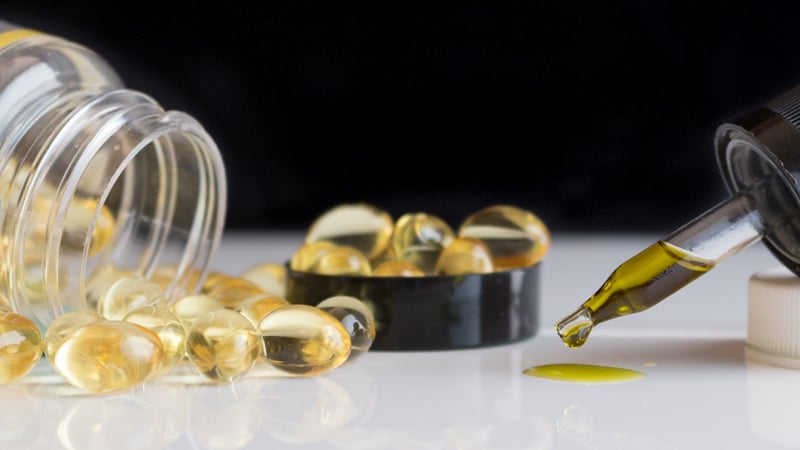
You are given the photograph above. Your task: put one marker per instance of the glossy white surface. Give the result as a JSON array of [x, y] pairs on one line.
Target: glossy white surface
[[698, 392]]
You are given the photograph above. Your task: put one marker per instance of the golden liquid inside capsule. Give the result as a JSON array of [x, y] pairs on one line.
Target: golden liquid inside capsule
[[397, 269], [109, 356], [420, 238], [169, 329], [101, 280], [358, 225], [342, 261], [232, 291], [223, 345], [515, 237], [583, 373], [463, 256], [127, 294], [636, 285], [308, 254], [270, 277], [20, 346], [256, 308], [190, 307], [65, 324], [356, 318], [78, 219], [304, 340]]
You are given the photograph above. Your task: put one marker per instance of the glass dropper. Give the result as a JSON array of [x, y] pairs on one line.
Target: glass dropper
[[759, 156]]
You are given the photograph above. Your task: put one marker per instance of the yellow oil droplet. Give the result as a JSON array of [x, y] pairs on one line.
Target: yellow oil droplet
[[583, 373]]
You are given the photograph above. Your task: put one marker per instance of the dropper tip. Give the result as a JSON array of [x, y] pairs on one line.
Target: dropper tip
[[575, 328]]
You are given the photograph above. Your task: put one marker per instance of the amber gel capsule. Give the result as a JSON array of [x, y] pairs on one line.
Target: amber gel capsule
[[419, 238], [190, 307], [127, 294], [109, 356], [463, 256], [515, 237], [356, 318], [308, 254], [169, 329], [362, 226], [342, 261], [223, 345], [20, 346], [271, 277], [255, 308], [304, 340], [65, 324]]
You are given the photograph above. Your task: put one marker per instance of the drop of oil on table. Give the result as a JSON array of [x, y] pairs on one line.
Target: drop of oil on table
[[672, 377]]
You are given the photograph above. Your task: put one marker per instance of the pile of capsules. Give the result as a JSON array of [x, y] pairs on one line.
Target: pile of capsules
[[360, 239], [236, 323], [233, 325]]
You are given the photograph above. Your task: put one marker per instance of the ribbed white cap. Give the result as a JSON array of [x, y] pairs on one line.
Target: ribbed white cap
[[773, 321]]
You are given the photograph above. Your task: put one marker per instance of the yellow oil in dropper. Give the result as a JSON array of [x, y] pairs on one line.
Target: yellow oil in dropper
[[669, 264]]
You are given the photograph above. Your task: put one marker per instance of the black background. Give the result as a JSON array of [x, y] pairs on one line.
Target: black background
[[596, 116]]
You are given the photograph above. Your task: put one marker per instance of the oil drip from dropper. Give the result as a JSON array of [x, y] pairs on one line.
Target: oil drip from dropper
[[671, 263]]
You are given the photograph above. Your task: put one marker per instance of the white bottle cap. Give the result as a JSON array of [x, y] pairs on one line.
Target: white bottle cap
[[773, 327]]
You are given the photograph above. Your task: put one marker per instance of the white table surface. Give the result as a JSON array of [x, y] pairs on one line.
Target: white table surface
[[699, 392]]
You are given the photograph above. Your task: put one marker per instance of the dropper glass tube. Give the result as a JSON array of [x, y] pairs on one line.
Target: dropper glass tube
[[668, 265], [758, 155]]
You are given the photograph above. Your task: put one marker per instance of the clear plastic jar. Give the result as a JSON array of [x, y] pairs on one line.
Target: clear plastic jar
[[95, 179]]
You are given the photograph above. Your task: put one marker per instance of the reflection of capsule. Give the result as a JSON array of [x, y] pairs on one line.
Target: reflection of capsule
[[310, 413], [173, 404], [23, 423], [102, 422], [221, 418]]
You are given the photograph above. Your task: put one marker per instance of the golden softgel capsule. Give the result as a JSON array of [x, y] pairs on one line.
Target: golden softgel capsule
[[170, 331], [362, 226], [356, 318], [256, 308], [271, 277], [223, 345], [20, 346], [65, 324], [308, 254], [342, 261], [127, 294], [515, 237], [463, 256], [419, 238], [304, 340], [109, 356], [190, 307]]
